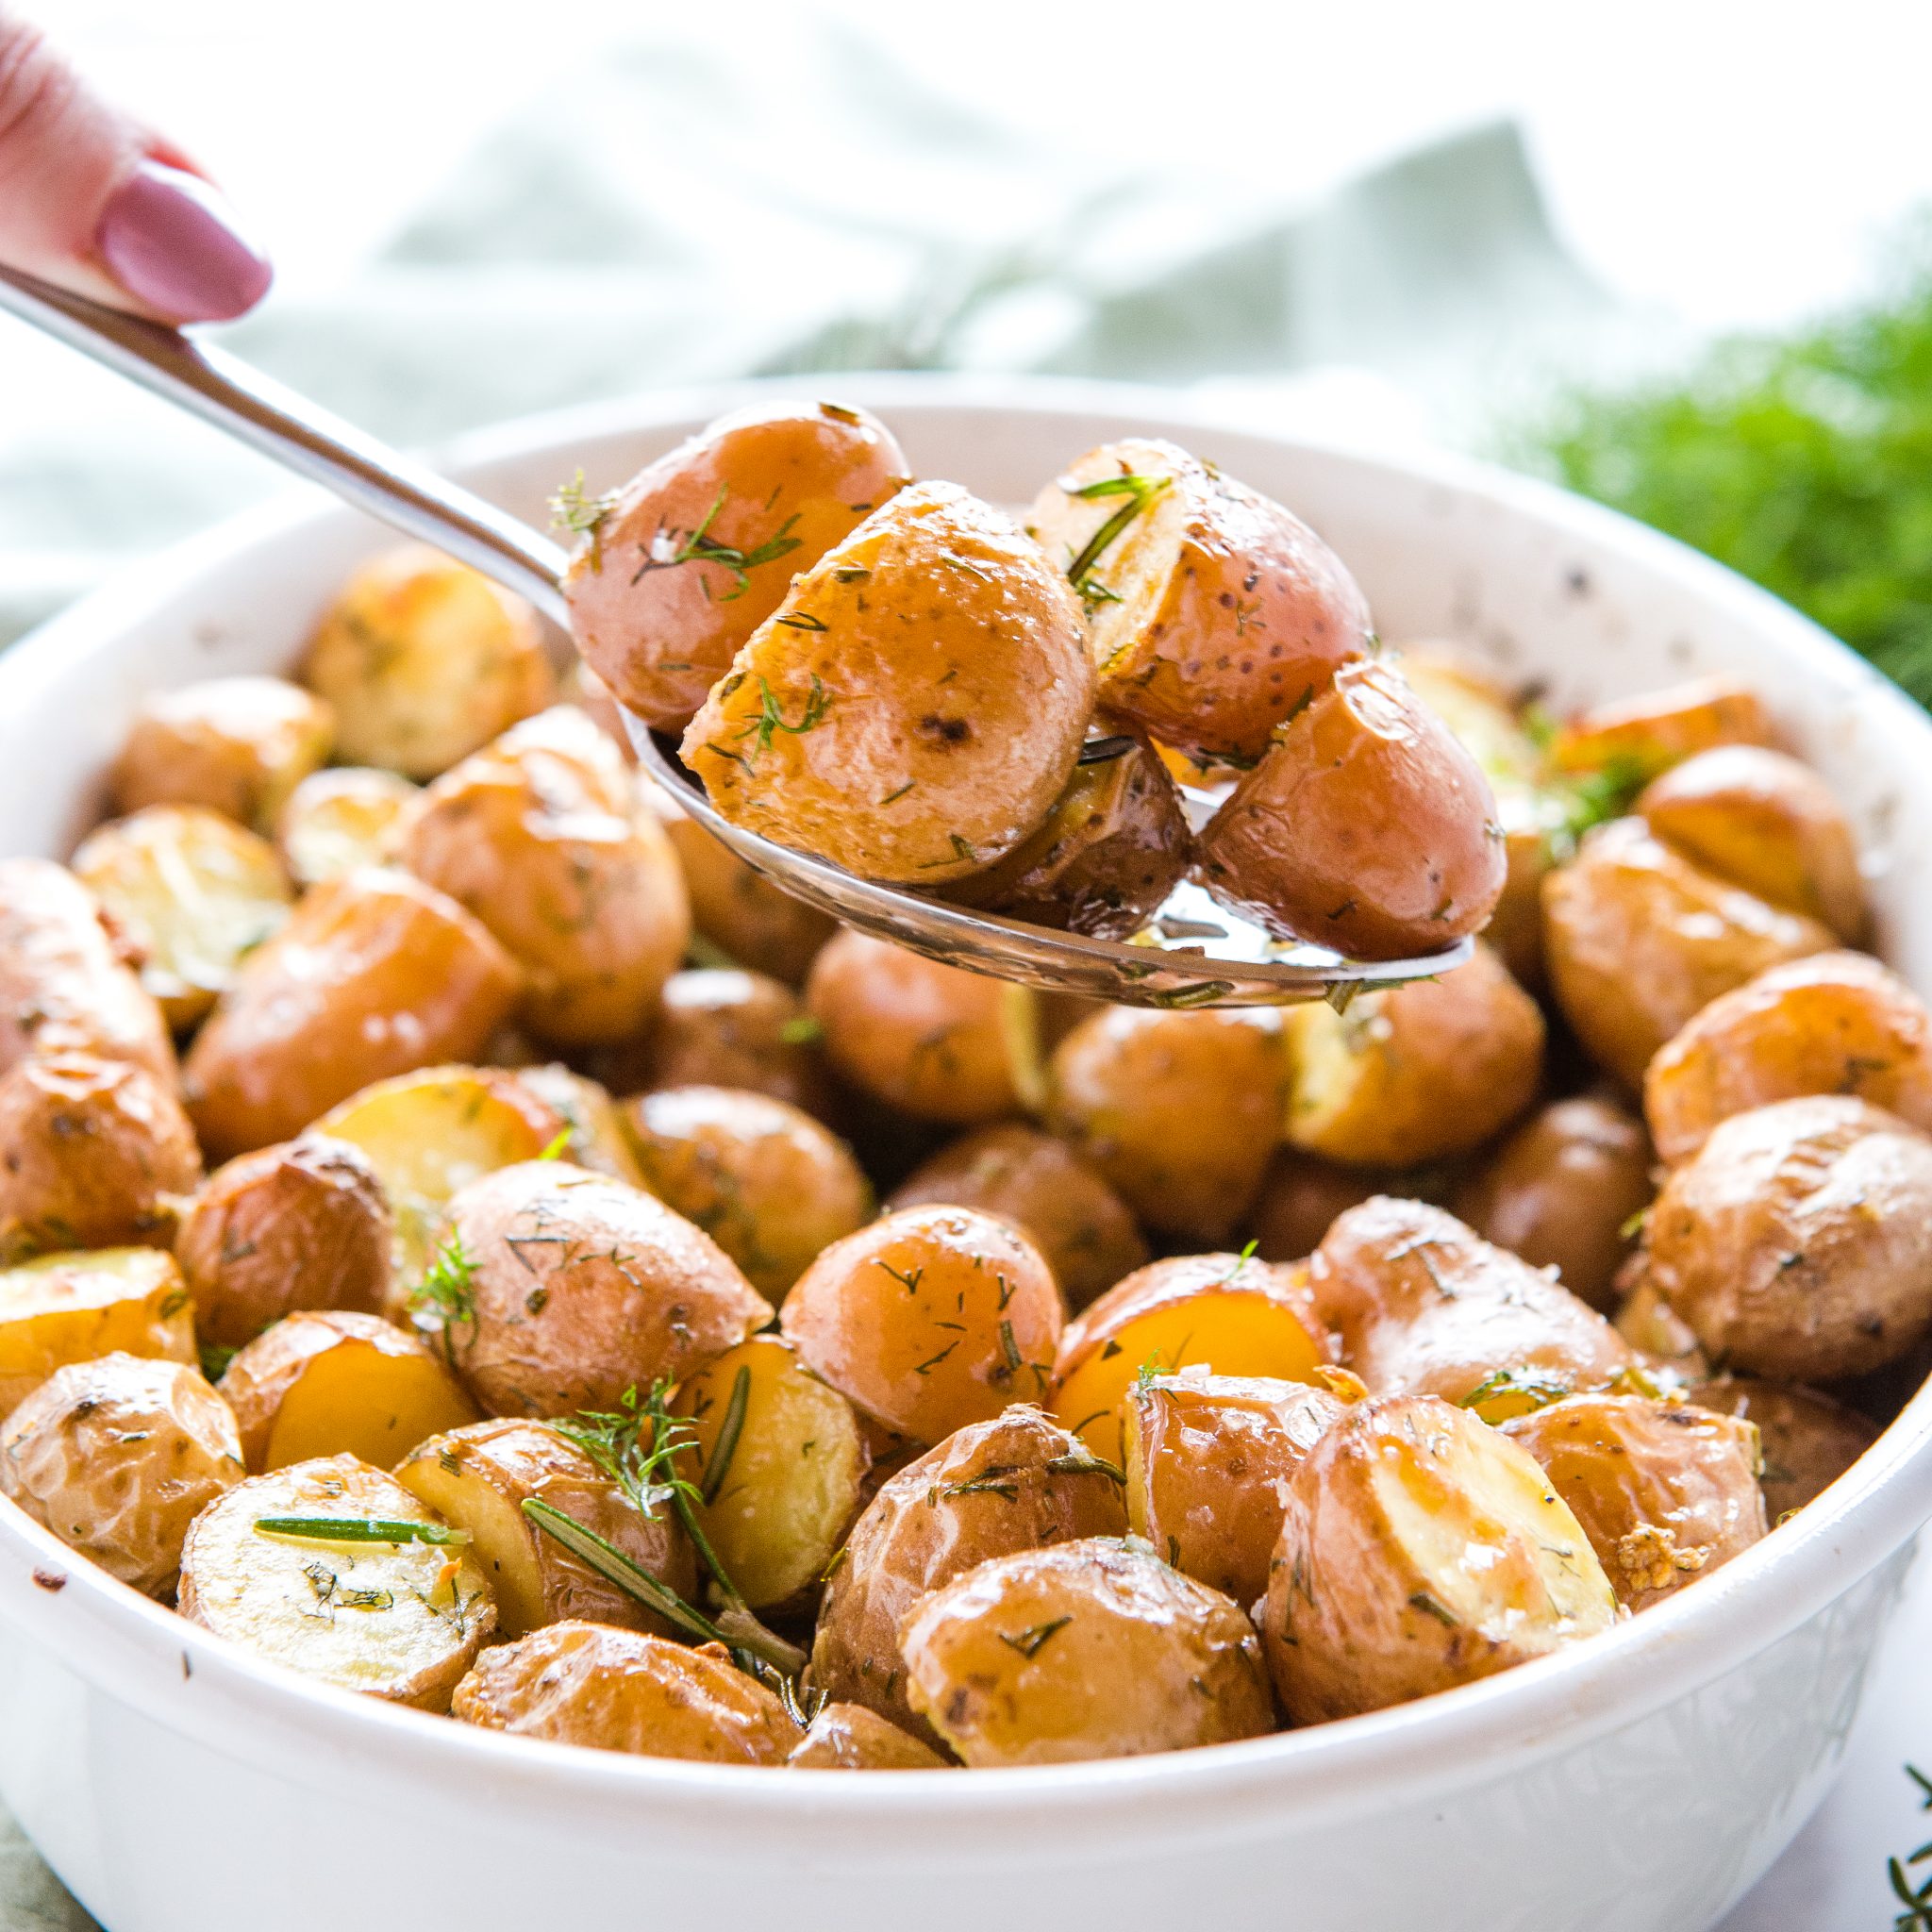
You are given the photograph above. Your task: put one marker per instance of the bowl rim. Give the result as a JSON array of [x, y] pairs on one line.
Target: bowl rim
[[188, 1680]]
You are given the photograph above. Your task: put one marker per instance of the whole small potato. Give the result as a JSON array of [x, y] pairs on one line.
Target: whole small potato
[[425, 660], [767, 1183], [573, 1289], [301, 1224], [1421, 1549], [598, 1138], [1417, 1072], [848, 1737], [1806, 1440], [338, 819], [237, 745], [1561, 1192], [1055, 1198], [1212, 613], [117, 1458], [915, 706], [66, 1309], [740, 911], [929, 1319], [1092, 1649], [1835, 1022], [1797, 1242], [1366, 827], [623, 1691], [681, 565], [1016, 1482], [93, 1154], [1301, 1195], [1650, 733], [374, 974], [1637, 940], [1178, 1111]]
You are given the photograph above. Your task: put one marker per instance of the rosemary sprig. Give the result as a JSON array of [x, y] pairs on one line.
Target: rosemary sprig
[[1139, 491], [361, 1529], [728, 1432], [558, 1147]]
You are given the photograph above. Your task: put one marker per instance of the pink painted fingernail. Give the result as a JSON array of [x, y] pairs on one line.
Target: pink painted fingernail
[[171, 241]]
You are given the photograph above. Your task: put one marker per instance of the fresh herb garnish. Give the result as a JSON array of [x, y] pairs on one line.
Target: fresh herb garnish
[[772, 720], [1029, 1640], [668, 551], [1139, 491], [729, 1429], [359, 1529], [1916, 1916], [445, 1298], [559, 1147], [802, 1029], [574, 509], [1539, 1392], [215, 1357]]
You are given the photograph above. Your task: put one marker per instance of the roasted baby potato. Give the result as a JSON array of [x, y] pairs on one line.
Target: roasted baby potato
[[301, 1224], [1637, 940], [338, 819], [623, 1690], [1562, 1191], [1806, 1440], [1016, 1482], [1835, 1022], [374, 974], [334, 1382], [1366, 827], [1053, 1197], [236, 745], [425, 661], [117, 1458], [540, 835], [93, 1154], [1177, 1111], [598, 1138], [1797, 1242], [915, 706], [479, 1477], [778, 1460], [848, 1737], [1423, 1306], [66, 1309], [1416, 1072], [400, 1621], [1208, 1460], [1301, 1195], [1650, 733], [929, 1319], [1665, 1343], [678, 568], [740, 910], [1421, 1549], [564, 1290], [193, 892], [1211, 612]]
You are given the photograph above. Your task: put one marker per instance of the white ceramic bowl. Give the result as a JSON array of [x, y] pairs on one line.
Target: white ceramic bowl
[[1640, 1782]]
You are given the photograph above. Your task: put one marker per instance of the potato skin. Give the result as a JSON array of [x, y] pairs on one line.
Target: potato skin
[[740, 910], [117, 1457], [312, 1017], [338, 817], [1835, 1022], [1366, 827], [916, 704], [1806, 1440], [64, 1309], [848, 1737], [1657, 729], [657, 611], [1797, 1243]]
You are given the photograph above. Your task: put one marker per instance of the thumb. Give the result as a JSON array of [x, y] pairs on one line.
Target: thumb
[[92, 201]]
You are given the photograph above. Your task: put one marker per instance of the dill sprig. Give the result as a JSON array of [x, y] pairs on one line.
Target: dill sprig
[[1916, 1916], [445, 1298], [573, 509], [772, 720], [669, 549]]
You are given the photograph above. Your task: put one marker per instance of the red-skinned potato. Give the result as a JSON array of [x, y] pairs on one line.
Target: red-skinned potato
[[1806, 1440], [1301, 1195], [1657, 729], [848, 1737]]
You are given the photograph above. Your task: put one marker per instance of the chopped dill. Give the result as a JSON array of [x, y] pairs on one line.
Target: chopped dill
[[445, 1298]]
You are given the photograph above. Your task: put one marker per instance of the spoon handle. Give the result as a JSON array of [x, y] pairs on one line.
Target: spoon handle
[[299, 436]]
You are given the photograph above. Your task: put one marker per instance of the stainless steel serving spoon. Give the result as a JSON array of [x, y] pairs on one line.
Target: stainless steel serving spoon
[[1193, 953]]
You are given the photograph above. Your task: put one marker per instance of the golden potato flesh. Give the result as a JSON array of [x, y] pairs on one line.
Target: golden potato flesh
[[92, 1154], [1421, 1549], [478, 1477], [1806, 1439], [677, 569], [66, 1309], [848, 1737], [778, 1459], [915, 706], [1835, 1022], [374, 974], [194, 893], [1017, 1482], [1636, 941], [623, 1691], [767, 1183], [400, 1621], [117, 1458], [1092, 1649], [302, 1224], [1797, 1243], [539, 834], [928, 1319], [1366, 827], [740, 910], [1211, 612], [1415, 1073], [1229, 1313], [338, 819], [1652, 732], [236, 745], [570, 1289], [332, 1382], [598, 1138], [425, 660], [1052, 1195], [1208, 1460], [1178, 1111]]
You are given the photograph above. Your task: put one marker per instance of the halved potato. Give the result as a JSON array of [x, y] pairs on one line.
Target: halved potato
[[1657, 729], [598, 1138], [1662, 1339], [848, 1737], [64, 1309], [338, 817]]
